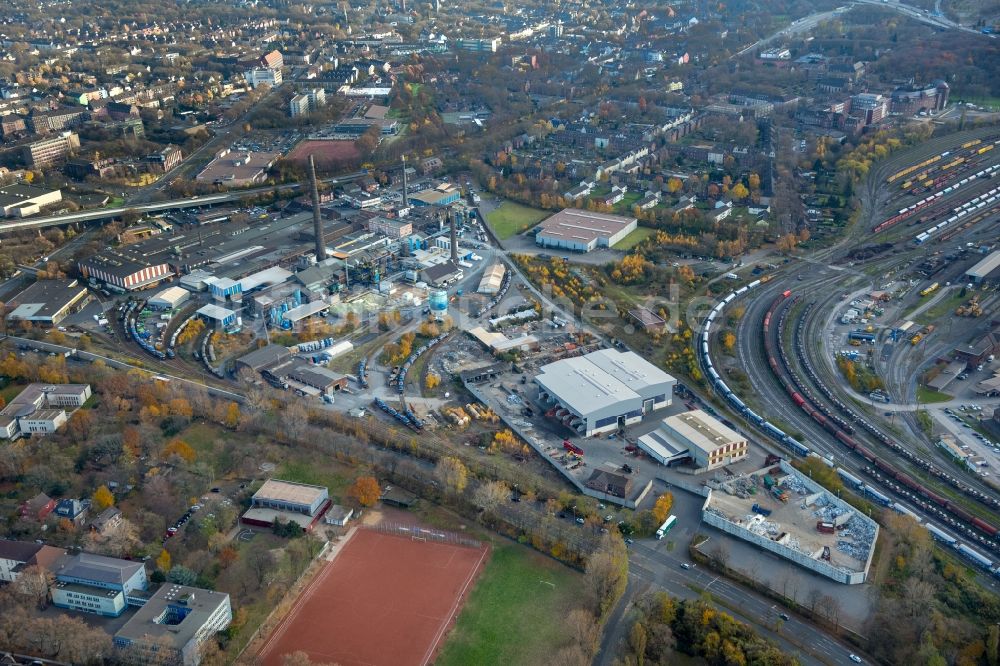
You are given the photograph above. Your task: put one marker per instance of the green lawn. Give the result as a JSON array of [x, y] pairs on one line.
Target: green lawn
[[926, 395], [303, 471], [945, 306], [515, 612], [512, 218], [634, 238], [990, 103], [624, 207]]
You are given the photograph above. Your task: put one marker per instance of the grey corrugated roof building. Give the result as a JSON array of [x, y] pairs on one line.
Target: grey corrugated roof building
[[604, 390]]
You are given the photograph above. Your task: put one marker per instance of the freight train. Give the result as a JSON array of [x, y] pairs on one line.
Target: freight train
[[723, 389], [937, 533], [406, 417], [401, 378], [866, 424], [822, 417]]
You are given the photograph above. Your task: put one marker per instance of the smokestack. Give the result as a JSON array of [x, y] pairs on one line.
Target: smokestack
[[406, 201], [454, 238], [317, 223]]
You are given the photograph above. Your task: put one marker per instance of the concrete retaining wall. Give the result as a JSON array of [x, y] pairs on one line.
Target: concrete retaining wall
[[846, 576]]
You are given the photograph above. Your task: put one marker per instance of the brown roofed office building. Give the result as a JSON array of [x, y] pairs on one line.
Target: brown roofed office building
[[583, 231]]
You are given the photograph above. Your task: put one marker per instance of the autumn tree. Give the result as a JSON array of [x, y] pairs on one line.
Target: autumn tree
[[739, 192], [661, 509], [163, 561], [181, 449], [80, 424], [232, 416], [432, 381], [728, 341], [452, 474], [102, 499], [365, 490]]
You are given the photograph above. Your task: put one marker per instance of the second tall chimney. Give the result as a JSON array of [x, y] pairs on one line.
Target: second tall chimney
[[454, 238], [317, 222], [406, 201]]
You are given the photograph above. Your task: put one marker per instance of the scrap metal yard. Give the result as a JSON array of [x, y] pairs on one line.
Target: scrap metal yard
[[782, 511]]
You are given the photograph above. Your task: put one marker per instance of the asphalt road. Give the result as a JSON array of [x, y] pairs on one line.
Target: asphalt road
[[173, 204], [653, 566]]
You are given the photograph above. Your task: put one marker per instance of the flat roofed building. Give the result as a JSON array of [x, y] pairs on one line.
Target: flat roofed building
[[299, 105], [47, 302], [603, 390], [238, 168], [169, 298], [21, 200], [96, 584], [710, 442], [394, 229], [51, 150], [38, 409], [177, 619], [338, 515], [984, 269], [290, 496], [583, 231], [444, 194], [358, 126]]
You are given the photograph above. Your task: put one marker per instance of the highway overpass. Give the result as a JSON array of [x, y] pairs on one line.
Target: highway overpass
[[174, 204]]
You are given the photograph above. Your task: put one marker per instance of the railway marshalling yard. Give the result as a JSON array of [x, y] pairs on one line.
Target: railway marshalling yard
[[898, 294]]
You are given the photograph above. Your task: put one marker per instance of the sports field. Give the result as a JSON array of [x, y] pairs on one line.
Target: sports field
[[325, 152], [511, 218], [516, 613], [385, 600]]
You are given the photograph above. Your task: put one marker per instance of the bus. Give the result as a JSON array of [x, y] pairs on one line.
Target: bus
[[667, 525]]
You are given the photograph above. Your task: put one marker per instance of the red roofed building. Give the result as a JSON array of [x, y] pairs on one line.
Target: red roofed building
[[38, 507], [272, 60]]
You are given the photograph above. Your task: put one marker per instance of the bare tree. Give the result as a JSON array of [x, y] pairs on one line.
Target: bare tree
[[260, 563], [294, 420], [489, 495], [32, 585]]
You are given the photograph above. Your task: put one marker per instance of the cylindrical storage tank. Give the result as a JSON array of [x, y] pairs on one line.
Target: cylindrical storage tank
[[438, 303]]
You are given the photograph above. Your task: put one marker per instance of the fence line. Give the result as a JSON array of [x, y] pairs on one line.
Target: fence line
[[415, 532]]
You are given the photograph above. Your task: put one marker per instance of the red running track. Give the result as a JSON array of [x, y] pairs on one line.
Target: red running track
[[385, 600]]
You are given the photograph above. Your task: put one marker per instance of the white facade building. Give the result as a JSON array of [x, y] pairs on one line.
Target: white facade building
[[604, 390]]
